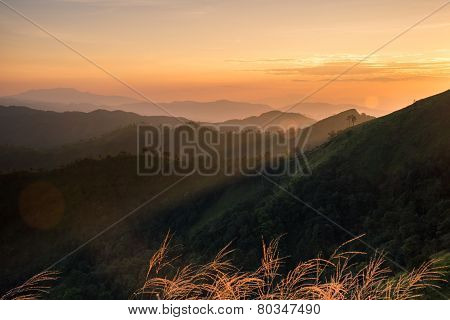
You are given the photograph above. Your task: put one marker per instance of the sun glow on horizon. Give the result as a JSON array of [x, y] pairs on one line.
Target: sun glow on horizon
[[257, 51]]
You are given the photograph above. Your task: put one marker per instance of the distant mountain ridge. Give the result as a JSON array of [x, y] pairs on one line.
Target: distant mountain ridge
[[321, 110], [275, 118], [70, 95], [44, 139], [69, 99], [26, 127], [64, 99], [212, 111]]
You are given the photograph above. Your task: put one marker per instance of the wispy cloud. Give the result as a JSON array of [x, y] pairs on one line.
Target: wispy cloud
[[381, 70], [260, 60], [378, 79]]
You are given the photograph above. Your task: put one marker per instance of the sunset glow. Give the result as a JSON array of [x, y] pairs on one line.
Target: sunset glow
[[274, 52]]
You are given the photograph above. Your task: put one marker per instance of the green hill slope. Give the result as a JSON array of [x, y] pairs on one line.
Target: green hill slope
[[386, 178]]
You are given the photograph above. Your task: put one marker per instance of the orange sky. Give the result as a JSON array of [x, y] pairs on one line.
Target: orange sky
[[274, 52]]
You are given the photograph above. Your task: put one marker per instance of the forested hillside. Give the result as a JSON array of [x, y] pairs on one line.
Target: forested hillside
[[386, 178]]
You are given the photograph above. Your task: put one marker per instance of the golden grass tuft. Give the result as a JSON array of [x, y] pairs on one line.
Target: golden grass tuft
[[33, 288], [335, 278]]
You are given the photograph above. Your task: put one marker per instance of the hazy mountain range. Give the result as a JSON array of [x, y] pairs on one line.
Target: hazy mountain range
[[70, 96], [39, 139], [64, 99], [274, 118], [68, 99], [214, 111], [320, 110]]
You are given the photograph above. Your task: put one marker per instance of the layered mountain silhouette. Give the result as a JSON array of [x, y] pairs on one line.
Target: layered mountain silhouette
[[68, 99], [26, 127], [279, 119], [72, 96], [320, 110], [64, 99], [214, 111], [386, 178], [44, 139]]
